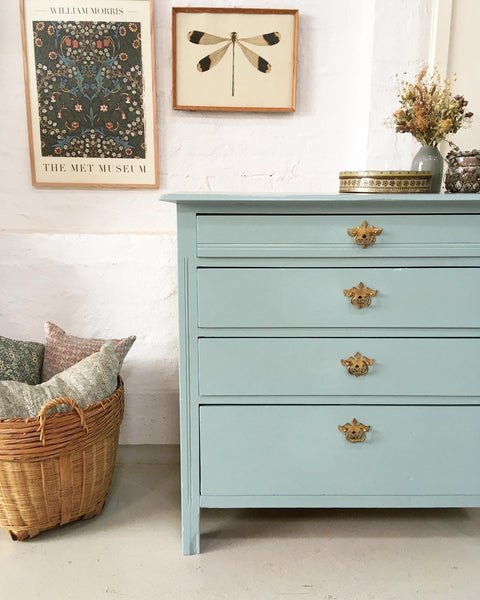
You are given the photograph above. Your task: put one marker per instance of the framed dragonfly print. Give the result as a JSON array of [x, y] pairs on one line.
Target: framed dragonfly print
[[234, 59], [90, 91]]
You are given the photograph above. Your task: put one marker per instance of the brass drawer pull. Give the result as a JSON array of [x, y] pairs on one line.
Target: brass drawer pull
[[365, 234], [357, 365], [360, 296], [354, 431]]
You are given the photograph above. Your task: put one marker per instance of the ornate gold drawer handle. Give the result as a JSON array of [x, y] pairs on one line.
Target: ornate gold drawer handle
[[360, 296], [365, 234], [357, 365], [354, 431]]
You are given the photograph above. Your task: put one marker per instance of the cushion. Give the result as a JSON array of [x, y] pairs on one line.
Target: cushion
[[21, 361], [63, 350], [89, 381]]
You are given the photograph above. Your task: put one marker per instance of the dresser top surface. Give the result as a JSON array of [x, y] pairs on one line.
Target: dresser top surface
[[180, 197], [442, 202]]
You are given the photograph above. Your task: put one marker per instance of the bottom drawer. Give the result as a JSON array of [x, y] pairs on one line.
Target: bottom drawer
[[299, 450]]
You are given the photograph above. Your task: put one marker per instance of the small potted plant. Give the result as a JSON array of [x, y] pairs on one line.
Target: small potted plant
[[429, 111]]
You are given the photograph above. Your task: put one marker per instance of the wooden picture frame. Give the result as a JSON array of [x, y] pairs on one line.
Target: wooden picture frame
[[90, 92], [232, 59]]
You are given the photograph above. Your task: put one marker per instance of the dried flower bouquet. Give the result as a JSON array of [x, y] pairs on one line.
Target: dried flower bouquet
[[428, 109]]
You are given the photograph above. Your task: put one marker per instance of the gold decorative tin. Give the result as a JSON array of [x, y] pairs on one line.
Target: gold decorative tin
[[385, 182]]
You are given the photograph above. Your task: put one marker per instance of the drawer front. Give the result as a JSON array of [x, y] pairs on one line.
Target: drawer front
[[299, 450], [291, 297], [327, 235], [312, 367]]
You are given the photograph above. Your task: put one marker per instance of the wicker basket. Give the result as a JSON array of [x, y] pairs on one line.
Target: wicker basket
[[58, 468]]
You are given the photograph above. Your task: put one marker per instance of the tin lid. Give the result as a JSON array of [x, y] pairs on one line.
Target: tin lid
[[385, 174]]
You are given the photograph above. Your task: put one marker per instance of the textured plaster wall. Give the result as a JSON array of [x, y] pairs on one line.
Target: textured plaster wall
[[464, 45], [102, 262]]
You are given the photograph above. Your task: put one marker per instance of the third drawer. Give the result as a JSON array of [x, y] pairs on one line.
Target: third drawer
[[276, 367]]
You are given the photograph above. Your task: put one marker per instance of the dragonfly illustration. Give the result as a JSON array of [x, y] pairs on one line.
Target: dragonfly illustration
[[209, 61]]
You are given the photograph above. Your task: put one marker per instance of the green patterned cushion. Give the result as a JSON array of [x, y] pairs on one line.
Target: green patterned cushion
[[92, 379], [21, 361], [63, 350]]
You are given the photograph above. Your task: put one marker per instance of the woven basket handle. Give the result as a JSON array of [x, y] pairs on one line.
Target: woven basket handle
[[42, 415]]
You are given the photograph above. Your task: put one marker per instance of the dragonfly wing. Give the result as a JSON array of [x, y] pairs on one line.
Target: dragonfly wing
[[200, 37], [212, 59], [255, 60], [267, 39]]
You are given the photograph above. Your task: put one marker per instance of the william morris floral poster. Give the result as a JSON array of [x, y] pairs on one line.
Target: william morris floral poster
[[90, 92]]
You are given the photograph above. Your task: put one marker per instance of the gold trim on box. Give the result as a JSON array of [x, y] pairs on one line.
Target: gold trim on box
[[385, 182]]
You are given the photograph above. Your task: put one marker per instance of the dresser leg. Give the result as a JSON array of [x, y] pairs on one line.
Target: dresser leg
[[191, 530]]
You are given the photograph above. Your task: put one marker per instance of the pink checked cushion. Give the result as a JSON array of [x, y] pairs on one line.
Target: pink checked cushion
[[63, 350]]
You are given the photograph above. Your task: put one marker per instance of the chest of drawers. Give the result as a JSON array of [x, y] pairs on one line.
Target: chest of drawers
[[329, 351]]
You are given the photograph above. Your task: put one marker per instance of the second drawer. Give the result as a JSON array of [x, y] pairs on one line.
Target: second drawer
[[293, 297]]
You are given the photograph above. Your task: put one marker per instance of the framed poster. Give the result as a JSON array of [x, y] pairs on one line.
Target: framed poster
[[90, 91], [234, 59]]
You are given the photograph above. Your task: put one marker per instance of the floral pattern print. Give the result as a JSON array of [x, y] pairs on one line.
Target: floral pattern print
[[21, 361], [90, 89]]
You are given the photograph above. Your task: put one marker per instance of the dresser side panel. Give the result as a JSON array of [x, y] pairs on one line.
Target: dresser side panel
[[189, 427]]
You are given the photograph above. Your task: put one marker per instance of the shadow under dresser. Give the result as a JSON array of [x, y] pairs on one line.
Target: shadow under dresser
[[328, 351]]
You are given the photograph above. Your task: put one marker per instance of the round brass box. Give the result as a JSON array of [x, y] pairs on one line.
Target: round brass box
[[385, 182]]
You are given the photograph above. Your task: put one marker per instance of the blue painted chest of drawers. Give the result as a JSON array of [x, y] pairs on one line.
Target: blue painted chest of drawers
[[329, 350]]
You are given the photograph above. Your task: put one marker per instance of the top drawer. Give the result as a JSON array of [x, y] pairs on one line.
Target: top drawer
[[313, 236]]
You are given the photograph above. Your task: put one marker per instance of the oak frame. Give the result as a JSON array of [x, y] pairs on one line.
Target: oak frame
[[178, 76], [85, 171]]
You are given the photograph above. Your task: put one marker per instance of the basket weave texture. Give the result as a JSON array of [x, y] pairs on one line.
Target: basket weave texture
[[57, 468]]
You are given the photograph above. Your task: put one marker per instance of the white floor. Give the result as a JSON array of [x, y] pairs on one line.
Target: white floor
[[132, 551]]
